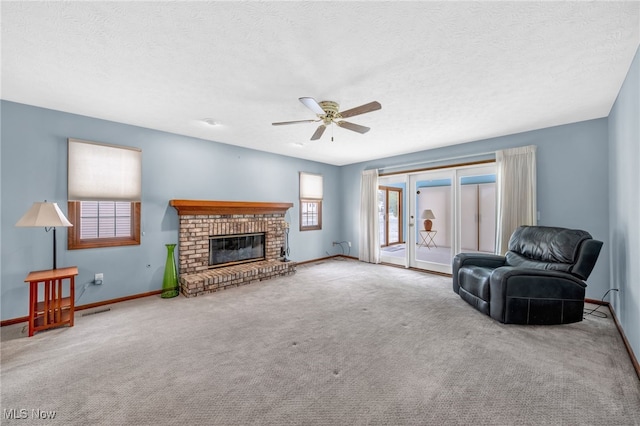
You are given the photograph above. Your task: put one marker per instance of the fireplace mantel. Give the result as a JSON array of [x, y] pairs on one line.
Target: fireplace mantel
[[201, 207]]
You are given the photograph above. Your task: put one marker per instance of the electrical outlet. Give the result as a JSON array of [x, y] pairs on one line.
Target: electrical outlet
[[349, 243], [98, 279]]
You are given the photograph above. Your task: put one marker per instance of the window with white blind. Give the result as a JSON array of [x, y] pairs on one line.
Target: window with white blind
[[105, 219], [310, 214], [104, 194], [311, 192]]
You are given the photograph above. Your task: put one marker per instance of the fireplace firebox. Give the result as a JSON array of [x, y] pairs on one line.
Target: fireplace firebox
[[226, 250]]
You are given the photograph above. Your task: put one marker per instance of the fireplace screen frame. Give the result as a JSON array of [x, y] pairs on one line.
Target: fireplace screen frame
[[238, 251]]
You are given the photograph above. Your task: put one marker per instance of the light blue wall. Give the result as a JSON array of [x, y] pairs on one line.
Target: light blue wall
[[33, 168], [575, 176], [624, 204], [572, 179]]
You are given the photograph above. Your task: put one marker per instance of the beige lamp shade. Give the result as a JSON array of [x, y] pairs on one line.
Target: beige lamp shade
[[428, 216], [43, 214]]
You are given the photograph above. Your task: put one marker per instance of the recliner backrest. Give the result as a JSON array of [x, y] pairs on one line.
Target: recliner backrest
[[561, 249]]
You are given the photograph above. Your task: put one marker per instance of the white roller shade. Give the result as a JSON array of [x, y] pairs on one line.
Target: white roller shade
[[99, 172], [310, 186]]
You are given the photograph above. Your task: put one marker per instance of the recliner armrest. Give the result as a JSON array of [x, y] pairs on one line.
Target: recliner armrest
[[480, 259], [505, 273], [485, 260], [509, 282]]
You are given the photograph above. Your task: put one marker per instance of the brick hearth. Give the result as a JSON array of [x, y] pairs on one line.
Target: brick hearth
[[201, 219]]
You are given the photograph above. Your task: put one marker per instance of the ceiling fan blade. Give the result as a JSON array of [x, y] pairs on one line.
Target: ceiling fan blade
[[371, 106], [355, 127], [281, 123], [319, 131], [312, 105]]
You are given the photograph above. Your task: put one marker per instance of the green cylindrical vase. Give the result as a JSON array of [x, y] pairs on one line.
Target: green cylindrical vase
[[170, 281]]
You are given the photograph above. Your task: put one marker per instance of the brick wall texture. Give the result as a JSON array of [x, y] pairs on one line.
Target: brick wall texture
[[193, 251]]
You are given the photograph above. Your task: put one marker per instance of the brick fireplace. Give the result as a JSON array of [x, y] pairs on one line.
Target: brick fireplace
[[200, 220]]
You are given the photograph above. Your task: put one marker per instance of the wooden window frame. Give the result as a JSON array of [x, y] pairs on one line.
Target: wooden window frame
[[73, 232], [313, 227], [387, 190]]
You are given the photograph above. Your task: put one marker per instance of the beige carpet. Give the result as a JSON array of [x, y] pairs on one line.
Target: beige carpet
[[338, 343]]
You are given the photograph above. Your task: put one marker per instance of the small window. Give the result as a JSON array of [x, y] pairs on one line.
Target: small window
[[310, 201], [103, 224], [105, 219], [104, 185], [310, 215]]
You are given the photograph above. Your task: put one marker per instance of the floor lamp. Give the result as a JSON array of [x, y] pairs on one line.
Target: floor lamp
[[45, 215]]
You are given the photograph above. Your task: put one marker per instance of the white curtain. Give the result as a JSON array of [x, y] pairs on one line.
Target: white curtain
[[369, 230], [516, 192]]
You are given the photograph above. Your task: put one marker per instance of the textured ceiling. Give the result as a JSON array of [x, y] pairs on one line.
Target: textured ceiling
[[444, 72]]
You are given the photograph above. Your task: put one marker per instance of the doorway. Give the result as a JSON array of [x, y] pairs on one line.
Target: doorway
[[440, 213], [392, 217], [432, 207]]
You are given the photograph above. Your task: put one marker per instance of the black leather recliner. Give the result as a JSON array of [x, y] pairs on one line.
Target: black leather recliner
[[540, 280]]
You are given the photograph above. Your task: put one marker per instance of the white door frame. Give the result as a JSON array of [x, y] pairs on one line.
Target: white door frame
[[412, 220], [388, 181], [460, 173], [415, 222]]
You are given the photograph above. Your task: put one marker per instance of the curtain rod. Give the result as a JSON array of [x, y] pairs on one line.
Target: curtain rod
[[439, 160]]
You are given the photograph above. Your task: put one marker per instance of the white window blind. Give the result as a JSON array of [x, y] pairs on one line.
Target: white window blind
[[100, 172], [310, 186], [105, 219]]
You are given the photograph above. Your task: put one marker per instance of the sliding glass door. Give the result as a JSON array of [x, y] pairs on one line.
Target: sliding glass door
[[428, 217], [431, 222], [477, 212]]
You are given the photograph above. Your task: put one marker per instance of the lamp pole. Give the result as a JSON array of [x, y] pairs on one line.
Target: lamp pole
[[54, 248]]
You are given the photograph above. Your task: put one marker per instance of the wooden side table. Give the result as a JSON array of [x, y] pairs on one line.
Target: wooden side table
[[53, 310]]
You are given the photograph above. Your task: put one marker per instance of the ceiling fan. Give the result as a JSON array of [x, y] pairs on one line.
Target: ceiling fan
[[328, 113]]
